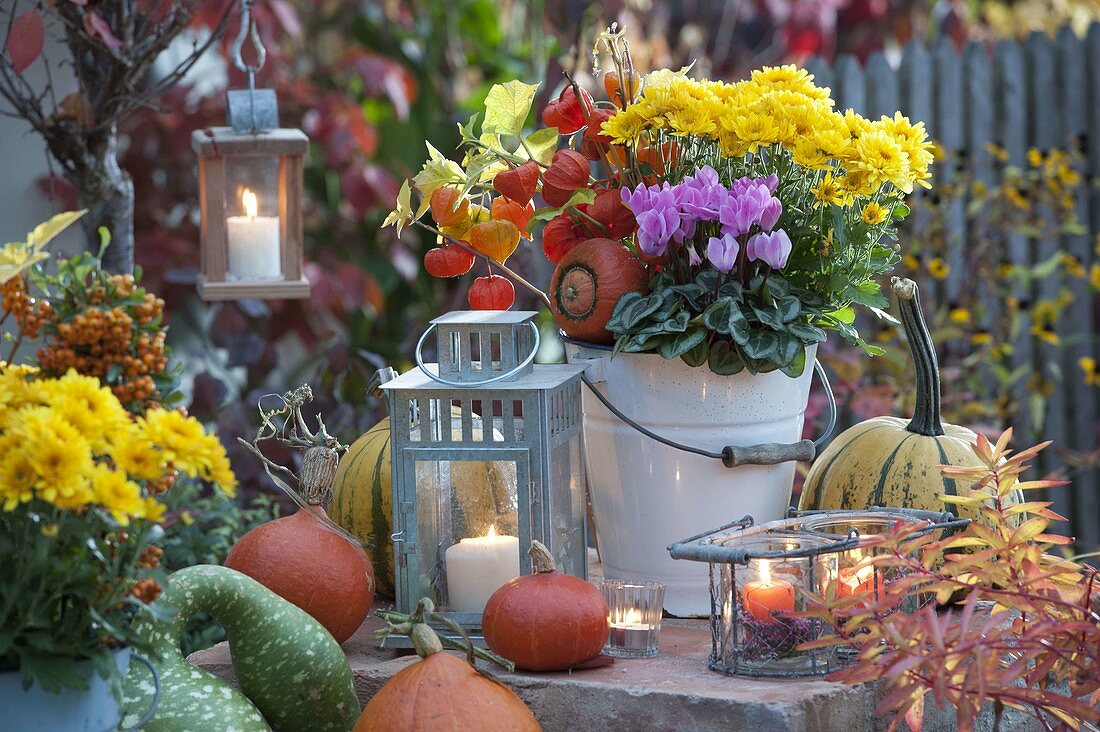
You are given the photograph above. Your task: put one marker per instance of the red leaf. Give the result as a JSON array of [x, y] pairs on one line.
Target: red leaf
[[287, 17], [25, 39], [914, 715], [97, 27]]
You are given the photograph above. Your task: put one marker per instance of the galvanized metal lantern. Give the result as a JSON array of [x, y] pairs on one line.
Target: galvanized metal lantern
[[487, 455], [250, 193], [760, 573]]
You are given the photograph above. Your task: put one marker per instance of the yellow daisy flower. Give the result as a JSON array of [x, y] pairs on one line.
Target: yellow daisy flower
[[874, 214]]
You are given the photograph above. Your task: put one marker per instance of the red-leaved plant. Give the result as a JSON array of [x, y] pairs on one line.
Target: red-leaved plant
[[1012, 624]]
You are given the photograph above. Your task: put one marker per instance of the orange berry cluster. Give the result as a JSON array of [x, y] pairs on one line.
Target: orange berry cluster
[[112, 335], [30, 314], [163, 483], [150, 557], [147, 590]]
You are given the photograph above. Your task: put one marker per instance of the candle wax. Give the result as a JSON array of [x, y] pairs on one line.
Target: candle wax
[[477, 567], [764, 598], [253, 243], [631, 636]]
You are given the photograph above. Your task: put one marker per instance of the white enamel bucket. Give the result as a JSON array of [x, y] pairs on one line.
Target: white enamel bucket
[[647, 495]]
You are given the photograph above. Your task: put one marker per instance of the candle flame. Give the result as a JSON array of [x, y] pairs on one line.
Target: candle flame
[[251, 205], [765, 572], [632, 616], [492, 531]]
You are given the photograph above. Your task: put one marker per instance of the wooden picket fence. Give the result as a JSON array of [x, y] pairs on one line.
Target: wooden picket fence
[[1043, 93]]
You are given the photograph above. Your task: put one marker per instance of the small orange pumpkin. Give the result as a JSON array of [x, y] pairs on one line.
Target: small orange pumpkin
[[546, 621], [442, 693]]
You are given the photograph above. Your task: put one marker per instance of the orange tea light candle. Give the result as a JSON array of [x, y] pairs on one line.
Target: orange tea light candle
[[857, 580], [768, 596]]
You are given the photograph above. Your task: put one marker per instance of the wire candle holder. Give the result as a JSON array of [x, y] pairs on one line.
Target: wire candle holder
[[761, 574]]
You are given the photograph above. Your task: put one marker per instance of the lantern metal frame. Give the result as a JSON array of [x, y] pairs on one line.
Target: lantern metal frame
[[720, 548], [253, 132], [500, 376]]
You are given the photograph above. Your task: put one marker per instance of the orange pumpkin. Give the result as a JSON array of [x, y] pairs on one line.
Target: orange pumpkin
[[546, 621], [308, 563], [588, 282], [442, 693]]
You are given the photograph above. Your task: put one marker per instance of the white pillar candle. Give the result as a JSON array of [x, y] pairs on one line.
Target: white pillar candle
[[253, 243], [477, 567]]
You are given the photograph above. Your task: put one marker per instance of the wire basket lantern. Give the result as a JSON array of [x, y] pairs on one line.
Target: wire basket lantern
[[759, 574]]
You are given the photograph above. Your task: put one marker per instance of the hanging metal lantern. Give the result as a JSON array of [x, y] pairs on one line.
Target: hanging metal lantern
[[487, 455], [761, 573], [250, 193]]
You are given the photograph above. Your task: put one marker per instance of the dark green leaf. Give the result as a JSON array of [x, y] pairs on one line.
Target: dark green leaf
[[682, 343], [697, 356], [724, 359]]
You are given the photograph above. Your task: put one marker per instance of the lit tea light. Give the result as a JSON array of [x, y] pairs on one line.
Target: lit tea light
[[768, 596], [253, 242], [477, 567], [857, 579], [630, 632]]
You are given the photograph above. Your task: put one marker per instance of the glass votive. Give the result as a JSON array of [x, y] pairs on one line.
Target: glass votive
[[634, 614]]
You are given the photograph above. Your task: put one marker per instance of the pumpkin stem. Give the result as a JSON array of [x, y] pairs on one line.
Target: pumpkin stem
[[542, 561], [318, 475], [926, 414], [416, 627]]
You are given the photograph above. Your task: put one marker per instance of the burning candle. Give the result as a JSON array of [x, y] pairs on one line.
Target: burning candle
[[856, 580], [629, 633], [477, 567], [253, 242], [767, 596]]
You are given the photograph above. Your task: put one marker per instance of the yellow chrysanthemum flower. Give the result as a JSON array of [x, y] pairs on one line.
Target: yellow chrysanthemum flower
[[116, 493], [856, 124], [17, 475], [692, 120], [878, 155], [626, 127], [755, 129], [873, 214], [792, 78], [830, 191], [138, 456], [88, 406], [62, 458]]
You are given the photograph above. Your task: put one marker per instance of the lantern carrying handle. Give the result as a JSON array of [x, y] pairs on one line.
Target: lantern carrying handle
[[500, 377]]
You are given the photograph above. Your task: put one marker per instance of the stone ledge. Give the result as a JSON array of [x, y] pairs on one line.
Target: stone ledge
[[674, 691]]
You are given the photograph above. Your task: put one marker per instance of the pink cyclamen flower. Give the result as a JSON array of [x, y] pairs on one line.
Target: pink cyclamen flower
[[770, 215], [722, 252], [772, 249]]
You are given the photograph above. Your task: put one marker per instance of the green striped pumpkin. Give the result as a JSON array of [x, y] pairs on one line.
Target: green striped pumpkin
[[886, 461], [362, 500]]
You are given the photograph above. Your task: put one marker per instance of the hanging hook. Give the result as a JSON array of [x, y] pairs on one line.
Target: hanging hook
[[250, 32]]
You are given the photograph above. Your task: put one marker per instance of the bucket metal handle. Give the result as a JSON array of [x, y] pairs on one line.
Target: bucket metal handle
[[732, 456], [156, 692]]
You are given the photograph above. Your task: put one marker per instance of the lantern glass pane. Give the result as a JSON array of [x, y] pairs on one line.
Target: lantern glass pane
[[567, 507], [468, 530], [253, 228]]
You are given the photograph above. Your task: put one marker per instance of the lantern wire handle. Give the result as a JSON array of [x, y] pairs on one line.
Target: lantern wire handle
[[251, 33]]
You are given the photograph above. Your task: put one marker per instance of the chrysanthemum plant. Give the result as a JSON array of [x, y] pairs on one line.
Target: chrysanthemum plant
[[1013, 625], [762, 214], [79, 476]]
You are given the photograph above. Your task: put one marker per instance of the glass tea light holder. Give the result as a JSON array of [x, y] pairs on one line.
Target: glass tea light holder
[[762, 574], [634, 610], [856, 572]]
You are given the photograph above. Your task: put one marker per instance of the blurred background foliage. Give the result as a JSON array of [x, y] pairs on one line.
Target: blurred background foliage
[[369, 82]]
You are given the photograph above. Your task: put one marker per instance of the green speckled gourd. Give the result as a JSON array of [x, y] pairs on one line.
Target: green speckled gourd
[[292, 673]]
